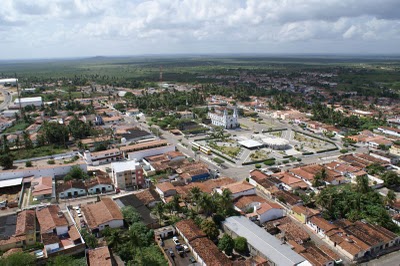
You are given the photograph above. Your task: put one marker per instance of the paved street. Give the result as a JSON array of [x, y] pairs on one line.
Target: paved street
[[7, 99]]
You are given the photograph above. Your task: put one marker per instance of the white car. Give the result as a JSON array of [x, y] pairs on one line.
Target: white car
[[78, 212], [185, 248], [176, 241], [76, 208]]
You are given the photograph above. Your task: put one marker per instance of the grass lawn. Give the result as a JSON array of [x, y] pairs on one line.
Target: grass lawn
[[17, 127], [37, 152]]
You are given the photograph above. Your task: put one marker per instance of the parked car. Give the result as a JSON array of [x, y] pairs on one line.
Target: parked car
[[192, 260], [176, 241], [171, 253], [185, 248]]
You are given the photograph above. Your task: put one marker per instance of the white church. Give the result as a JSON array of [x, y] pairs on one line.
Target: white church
[[225, 120]]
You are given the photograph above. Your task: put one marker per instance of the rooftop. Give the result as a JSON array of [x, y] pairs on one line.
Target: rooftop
[[101, 212], [265, 243], [238, 187], [190, 230], [50, 217], [42, 185], [99, 257]]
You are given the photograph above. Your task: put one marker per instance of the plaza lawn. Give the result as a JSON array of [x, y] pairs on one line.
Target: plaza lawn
[[37, 152], [228, 150]]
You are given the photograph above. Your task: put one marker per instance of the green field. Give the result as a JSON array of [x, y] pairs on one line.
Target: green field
[[20, 126], [37, 152], [139, 71]]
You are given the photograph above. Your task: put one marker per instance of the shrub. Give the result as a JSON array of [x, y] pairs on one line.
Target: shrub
[[241, 245], [218, 160], [269, 162], [285, 161], [258, 166], [51, 161], [344, 150], [28, 164]]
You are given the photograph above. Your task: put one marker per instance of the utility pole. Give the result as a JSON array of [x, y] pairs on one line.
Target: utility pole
[[19, 95]]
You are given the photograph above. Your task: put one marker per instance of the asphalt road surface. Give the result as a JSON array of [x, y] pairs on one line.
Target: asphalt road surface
[[7, 99]]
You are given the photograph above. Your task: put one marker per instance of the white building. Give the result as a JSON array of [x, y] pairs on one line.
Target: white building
[[71, 188], [226, 121], [140, 154], [261, 243], [48, 170], [10, 113], [9, 81], [101, 157], [35, 101], [264, 212]]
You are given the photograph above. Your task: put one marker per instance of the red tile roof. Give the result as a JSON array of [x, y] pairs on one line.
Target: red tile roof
[[101, 212], [190, 230], [99, 257], [50, 217]]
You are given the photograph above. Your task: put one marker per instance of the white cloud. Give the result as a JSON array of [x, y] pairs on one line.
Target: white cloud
[[221, 25]]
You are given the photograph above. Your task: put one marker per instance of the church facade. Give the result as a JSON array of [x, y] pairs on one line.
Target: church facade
[[224, 120]]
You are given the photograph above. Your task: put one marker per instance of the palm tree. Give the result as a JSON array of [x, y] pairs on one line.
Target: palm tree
[[113, 237], [194, 196], [390, 197], [176, 200], [225, 200], [159, 211], [207, 204]]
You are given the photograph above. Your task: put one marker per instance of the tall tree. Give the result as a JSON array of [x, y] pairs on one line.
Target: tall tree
[[158, 210], [27, 140], [210, 229]]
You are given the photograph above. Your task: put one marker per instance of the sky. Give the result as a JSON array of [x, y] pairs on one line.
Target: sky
[[85, 28]]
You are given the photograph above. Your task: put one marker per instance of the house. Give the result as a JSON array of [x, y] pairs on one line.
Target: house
[[265, 211], [320, 225], [127, 174], [238, 189], [42, 187], [359, 239], [99, 184], [52, 220], [71, 188], [258, 209], [148, 197], [261, 243], [264, 183], [165, 189], [303, 213], [17, 230], [56, 233], [102, 214], [189, 230], [193, 172], [204, 250], [99, 257], [290, 182]]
